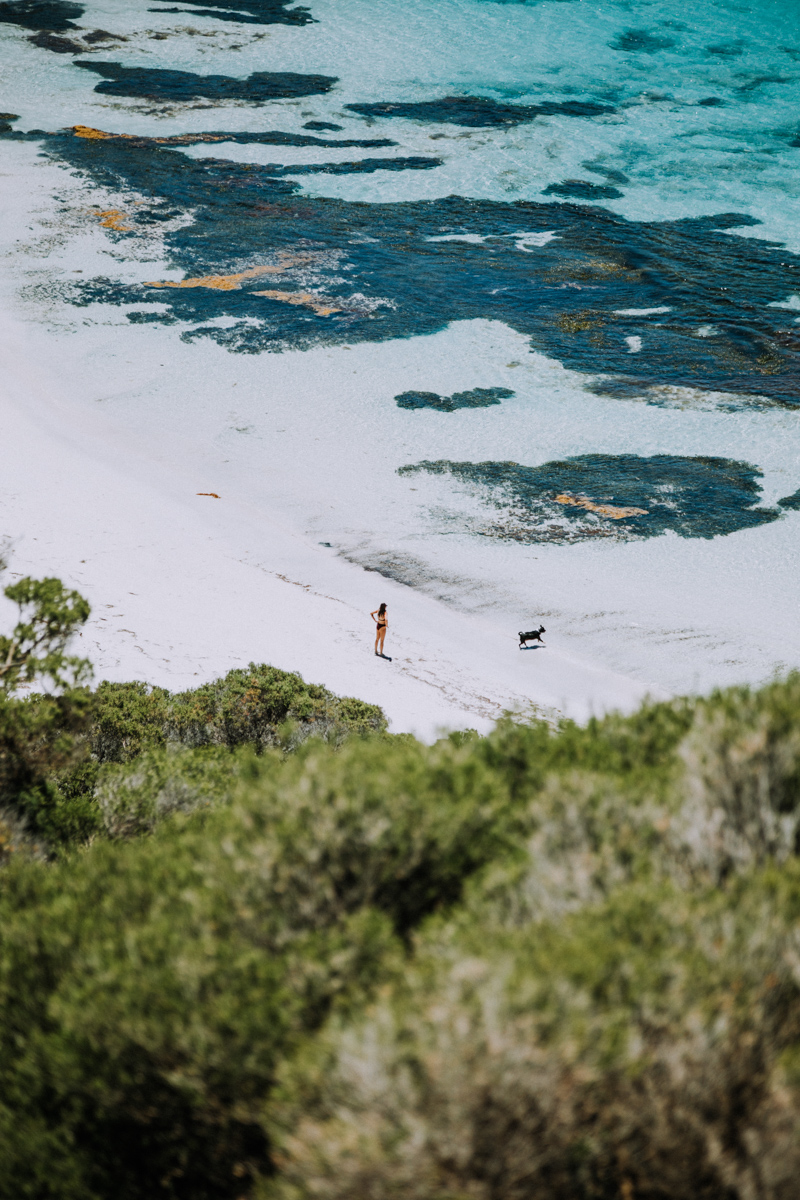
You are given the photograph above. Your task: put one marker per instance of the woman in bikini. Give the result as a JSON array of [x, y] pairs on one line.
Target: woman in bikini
[[379, 617]]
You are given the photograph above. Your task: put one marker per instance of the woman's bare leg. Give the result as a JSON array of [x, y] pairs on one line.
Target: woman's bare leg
[[377, 639], [381, 637]]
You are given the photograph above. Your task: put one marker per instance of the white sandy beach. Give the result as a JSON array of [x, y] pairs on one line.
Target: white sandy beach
[[185, 587]]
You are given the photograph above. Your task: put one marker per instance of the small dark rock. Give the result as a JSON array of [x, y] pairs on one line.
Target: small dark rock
[[640, 41], [582, 189], [100, 35], [476, 398]]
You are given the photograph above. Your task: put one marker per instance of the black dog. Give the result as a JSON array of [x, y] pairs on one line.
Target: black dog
[[534, 636]]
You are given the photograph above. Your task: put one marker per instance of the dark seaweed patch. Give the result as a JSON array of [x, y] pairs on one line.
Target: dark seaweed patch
[[792, 501], [102, 35], [225, 169], [619, 387], [151, 318], [565, 296], [711, 102], [476, 398], [271, 137], [362, 166], [478, 112], [582, 189], [59, 45], [726, 49], [55, 15], [252, 12], [641, 41], [276, 138], [758, 81], [613, 496], [154, 84], [322, 125], [609, 173]]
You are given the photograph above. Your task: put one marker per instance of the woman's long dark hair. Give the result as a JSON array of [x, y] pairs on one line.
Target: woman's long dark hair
[[382, 611]]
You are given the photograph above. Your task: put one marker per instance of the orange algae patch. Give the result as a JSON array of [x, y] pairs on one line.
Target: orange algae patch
[[114, 218], [86, 131], [223, 283], [605, 510], [181, 139], [321, 306], [227, 283]]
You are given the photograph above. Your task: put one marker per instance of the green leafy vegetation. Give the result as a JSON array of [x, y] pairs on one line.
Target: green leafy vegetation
[[49, 615], [254, 946]]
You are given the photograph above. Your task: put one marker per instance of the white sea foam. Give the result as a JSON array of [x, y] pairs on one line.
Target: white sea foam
[[522, 241], [475, 239], [642, 312], [792, 302]]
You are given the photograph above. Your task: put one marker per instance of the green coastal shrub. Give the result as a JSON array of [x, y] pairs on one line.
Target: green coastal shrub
[[49, 615], [259, 705], [551, 962], [56, 750], [42, 739]]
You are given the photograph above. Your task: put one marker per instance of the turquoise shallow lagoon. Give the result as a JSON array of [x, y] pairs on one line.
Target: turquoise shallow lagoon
[[557, 239]]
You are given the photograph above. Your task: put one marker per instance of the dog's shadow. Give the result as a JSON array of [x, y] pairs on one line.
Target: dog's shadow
[[535, 646]]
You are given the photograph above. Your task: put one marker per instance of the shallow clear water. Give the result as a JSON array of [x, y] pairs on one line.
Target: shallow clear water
[[558, 237]]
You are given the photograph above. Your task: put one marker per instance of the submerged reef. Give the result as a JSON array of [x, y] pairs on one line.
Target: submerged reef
[[322, 125], [622, 496], [476, 398], [157, 84], [478, 112], [791, 502], [583, 189], [269, 138], [674, 303], [249, 12], [53, 15], [641, 41]]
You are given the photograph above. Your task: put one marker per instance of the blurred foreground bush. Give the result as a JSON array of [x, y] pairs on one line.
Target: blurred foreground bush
[[549, 963]]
